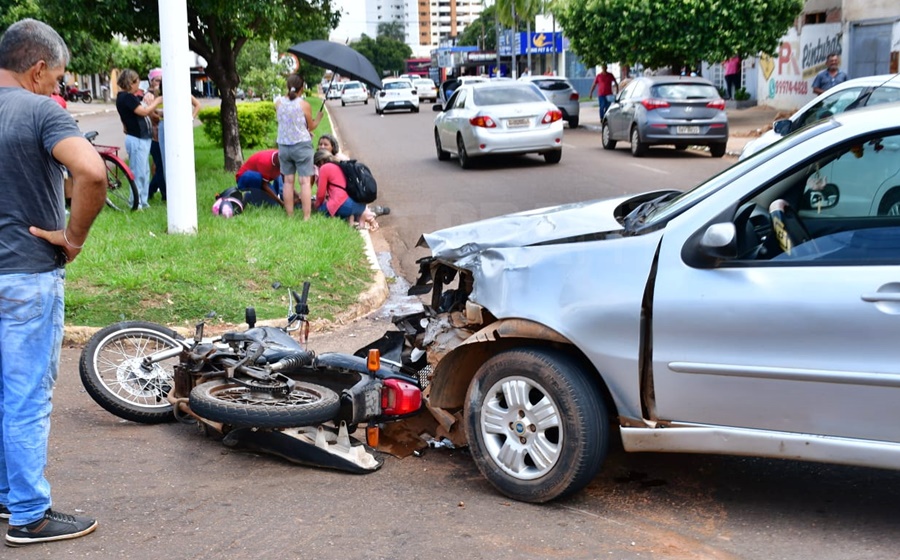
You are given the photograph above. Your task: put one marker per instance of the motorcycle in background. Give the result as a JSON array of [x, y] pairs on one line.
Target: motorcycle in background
[[259, 389], [72, 93]]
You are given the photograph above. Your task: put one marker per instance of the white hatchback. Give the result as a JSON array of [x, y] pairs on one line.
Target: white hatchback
[[396, 93], [354, 92]]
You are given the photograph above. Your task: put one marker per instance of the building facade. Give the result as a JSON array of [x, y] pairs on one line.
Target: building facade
[[428, 23]]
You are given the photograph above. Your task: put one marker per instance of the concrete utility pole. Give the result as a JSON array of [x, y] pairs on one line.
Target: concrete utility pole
[[181, 179]]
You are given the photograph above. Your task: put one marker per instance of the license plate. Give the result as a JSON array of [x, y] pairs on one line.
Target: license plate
[[687, 129], [517, 123]]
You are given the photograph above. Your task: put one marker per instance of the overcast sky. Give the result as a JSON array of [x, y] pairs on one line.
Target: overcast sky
[[353, 20]]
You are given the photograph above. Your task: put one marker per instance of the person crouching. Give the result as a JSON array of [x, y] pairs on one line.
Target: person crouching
[[331, 194]]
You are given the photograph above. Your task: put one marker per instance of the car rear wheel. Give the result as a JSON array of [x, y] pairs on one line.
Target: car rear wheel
[[638, 148], [537, 426], [343, 104], [442, 154], [573, 122], [717, 150], [464, 160], [378, 111], [415, 110], [890, 204], [553, 156], [606, 137]]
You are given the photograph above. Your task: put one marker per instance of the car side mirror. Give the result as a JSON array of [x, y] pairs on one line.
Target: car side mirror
[[827, 197], [782, 127], [720, 241]]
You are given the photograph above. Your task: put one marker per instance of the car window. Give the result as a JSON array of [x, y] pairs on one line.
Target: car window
[[506, 95], [628, 91], [551, 85], [831, 105], [352, 86], [397, 85], [884, 95], [844, 206], [684, 91], [458, 101]]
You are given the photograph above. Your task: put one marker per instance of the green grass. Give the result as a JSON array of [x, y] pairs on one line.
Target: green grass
[[132, 268]]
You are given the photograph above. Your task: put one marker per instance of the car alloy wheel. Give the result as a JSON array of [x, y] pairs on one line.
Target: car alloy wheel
[[638, 148]]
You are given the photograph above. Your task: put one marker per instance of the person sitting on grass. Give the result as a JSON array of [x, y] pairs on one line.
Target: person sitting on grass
[[331, 194], [329, 143]]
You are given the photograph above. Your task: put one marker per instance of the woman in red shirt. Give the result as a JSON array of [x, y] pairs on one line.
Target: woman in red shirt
[[331, 193]]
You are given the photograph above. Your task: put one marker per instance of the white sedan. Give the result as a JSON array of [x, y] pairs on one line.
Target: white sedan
[[396, 93], [498, 118]]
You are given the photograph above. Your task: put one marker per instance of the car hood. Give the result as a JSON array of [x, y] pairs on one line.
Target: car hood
[[534, 227]]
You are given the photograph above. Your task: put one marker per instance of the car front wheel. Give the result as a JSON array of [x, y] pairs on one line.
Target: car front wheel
[[606, 137], [536, 425]]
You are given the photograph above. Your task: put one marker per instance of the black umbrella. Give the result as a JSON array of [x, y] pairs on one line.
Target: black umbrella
[[338, 58]]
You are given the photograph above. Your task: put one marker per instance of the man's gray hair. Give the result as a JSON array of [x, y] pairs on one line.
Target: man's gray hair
[[29, 41]]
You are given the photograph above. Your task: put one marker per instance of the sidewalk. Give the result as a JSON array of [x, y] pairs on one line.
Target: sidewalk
[[743, 124]]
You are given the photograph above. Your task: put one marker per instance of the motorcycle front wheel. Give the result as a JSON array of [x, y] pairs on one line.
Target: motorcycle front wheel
[[114, 375], [241, 407]]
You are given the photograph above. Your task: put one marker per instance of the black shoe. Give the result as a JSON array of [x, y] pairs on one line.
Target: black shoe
[[381, 210], [53, 526], [4, 512]]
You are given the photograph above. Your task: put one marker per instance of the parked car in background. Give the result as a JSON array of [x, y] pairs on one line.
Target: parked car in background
[[694, 322], [852, 94], [426, 89], [334, 91], [674, 110], [396, 93], [560, 92], [354, 92], [491, 118]]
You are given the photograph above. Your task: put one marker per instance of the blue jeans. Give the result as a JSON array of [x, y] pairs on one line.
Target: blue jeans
[[31, 330], [139, 161], [604, 103]]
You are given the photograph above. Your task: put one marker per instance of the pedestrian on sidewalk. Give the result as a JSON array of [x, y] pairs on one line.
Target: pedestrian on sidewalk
[[603, 82], [831, 76], [40, 138], [732, 68]]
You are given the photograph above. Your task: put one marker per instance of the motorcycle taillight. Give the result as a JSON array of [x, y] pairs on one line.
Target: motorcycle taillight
[[399, 398]]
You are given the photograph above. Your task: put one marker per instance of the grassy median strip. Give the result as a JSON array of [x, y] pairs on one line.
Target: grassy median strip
[[132, 269]]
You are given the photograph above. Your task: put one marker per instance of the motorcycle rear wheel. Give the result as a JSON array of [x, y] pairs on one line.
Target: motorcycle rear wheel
[[238, 406], [111, 372]]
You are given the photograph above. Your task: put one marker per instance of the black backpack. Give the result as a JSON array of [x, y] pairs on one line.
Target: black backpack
[[361, 185]]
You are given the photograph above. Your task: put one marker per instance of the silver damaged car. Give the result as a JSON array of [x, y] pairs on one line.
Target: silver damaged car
[[756, 314]]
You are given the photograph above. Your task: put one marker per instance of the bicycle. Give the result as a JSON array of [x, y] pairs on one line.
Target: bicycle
[[121, 190]]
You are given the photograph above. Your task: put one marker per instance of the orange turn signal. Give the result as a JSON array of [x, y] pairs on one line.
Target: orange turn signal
[[374, 362], [372, 435]]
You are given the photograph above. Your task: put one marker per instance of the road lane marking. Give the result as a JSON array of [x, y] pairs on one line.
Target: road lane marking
[[648, 168]]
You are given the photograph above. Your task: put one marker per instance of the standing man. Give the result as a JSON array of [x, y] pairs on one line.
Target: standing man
[[604, 83], [831, 76], [37, 138]]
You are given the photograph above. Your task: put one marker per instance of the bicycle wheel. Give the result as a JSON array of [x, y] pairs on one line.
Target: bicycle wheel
[[121, 192]]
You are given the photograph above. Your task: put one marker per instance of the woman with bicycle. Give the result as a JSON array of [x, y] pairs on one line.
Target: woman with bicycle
[[135, 116]]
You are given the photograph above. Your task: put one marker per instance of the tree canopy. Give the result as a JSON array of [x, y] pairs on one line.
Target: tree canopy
[[217, 31], [670, 33], [387, 55], [483, 29]]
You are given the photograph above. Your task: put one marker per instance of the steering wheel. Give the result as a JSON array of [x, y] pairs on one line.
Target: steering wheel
[[789, 229]]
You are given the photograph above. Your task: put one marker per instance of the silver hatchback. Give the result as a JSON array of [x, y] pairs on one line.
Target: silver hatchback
[[561, 93], [675, 110]]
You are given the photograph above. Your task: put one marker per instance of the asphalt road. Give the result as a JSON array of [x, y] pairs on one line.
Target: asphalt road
[[169, 492]]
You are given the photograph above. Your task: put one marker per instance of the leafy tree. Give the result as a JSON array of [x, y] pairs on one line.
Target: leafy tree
[[393, 29], [670, 33], [141, 58], [484, 26], [12, 11], [217, 31], [387, 55]]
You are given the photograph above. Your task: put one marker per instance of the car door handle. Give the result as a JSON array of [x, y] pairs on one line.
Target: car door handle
[[893, 297]]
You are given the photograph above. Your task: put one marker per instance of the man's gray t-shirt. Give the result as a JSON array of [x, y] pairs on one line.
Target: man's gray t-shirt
[[31, 180]]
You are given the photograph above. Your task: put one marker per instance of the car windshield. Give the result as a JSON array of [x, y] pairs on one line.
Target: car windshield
[[551, 85], [506, 95], [684, 91], [662, 210]]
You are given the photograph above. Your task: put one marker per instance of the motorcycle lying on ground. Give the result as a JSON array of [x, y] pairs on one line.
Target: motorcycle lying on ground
[[259, 389]]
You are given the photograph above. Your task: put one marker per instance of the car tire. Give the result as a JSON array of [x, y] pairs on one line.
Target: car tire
[[378, 111], [548, 444], [415, 110], [464, 160], [606, 137], [638, 148], [442, 154], [890, 204], [573, 122], [553, 156], [343, 104], [717, 150], [366, 102]]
